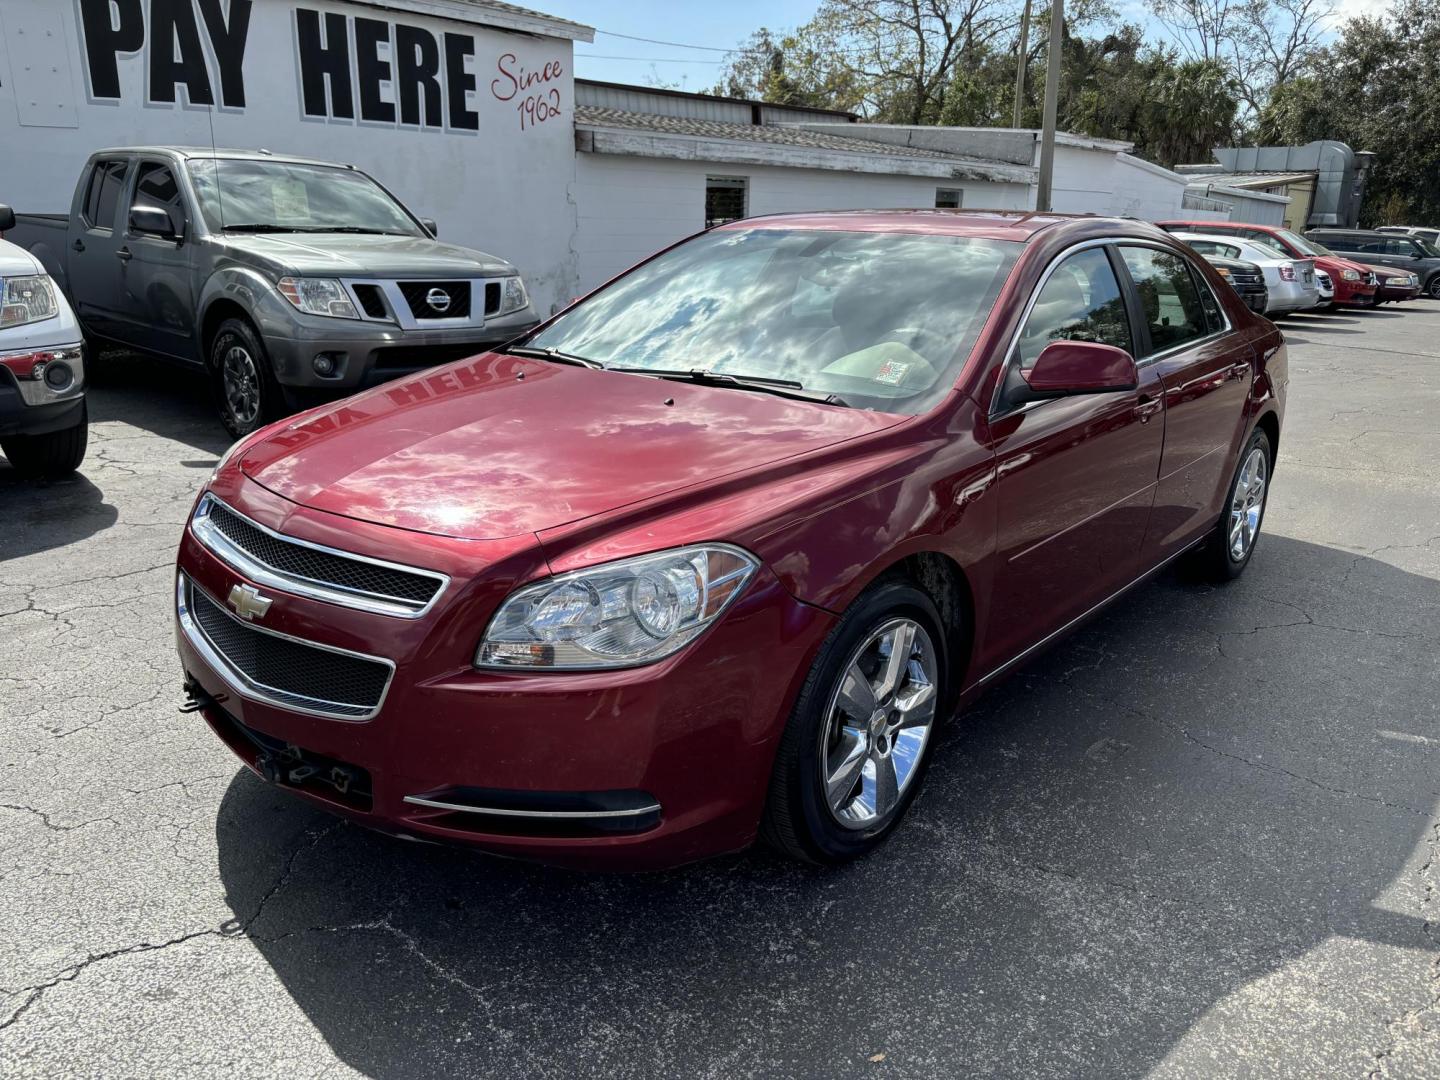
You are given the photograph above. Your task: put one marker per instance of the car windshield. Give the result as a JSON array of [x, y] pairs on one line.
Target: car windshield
[[286, 196], [881, 319], [1426, 247], [1305, 247]]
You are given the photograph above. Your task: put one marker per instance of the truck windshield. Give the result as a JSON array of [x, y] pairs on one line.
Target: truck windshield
[[285, 196], [881, 320]]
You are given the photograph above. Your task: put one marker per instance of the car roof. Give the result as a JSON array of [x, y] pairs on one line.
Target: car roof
[[1014, 225], [227, 153], [1174, 226]]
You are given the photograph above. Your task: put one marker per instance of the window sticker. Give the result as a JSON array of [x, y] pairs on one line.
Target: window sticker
[[892, 372], [290, 200]]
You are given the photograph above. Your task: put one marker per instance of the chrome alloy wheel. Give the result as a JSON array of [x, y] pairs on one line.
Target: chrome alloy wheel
[[878, 723], [1247, 503], [242, 384]]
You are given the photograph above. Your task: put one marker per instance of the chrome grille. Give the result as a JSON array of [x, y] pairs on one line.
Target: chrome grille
[[283, 670], [321, 573]]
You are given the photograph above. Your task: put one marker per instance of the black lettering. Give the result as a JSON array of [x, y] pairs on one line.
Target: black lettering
[[172, 22], [105, 39], [321, 60], [459, 82], [228, 42], [371, 70], [417, 70]]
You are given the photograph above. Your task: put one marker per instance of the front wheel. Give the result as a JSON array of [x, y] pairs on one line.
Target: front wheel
[[246, 391], [1227, 552], [854, 751], [49, 456], [1432, 287]]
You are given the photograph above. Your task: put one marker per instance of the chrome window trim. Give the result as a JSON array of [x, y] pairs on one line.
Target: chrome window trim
[[249, 688], [996, 409], [228, 552], [436, 804]]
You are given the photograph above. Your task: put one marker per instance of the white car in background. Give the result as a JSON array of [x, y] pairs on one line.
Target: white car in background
[[43, 424], [1291, 283]]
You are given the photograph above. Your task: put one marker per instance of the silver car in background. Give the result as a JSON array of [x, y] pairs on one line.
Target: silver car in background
[[1291, 282]]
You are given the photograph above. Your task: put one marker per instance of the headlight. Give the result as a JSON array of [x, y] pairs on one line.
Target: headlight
[[513, 298], [1223, 272], [1350, 275], [27, 300], [318, 296], [1402, 281], [621, 614]]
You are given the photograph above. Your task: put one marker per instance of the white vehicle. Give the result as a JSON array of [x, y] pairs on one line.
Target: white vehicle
[[43, 426], [1291, 282], [1325, 285], [1421, 232]]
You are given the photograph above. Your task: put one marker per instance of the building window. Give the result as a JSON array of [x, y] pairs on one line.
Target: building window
[[725, 199], [949, 198]]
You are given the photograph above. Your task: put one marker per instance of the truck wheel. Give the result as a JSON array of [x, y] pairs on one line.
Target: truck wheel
[[55, 454], [245, 388]]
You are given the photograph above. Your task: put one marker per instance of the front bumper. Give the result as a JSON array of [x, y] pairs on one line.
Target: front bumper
[[632, 769], [33, 407], [1354, 294], [365, 353]]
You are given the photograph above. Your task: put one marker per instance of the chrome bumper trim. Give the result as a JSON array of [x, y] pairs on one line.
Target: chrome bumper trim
[[436, 804]]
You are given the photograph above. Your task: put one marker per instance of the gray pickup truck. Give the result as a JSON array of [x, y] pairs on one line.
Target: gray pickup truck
[[286, 280]]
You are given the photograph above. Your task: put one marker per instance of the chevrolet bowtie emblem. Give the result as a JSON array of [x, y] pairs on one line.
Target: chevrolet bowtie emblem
[[248, 603]]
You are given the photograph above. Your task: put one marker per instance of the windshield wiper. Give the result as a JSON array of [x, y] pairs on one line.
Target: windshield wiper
[[787, 388], [258, 227], [553, 355]]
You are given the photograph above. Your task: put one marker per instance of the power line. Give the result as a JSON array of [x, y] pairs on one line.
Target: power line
[[647, 59], [657, 41]]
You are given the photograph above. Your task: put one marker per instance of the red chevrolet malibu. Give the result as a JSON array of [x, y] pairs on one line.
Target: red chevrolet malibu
[[708, 555]]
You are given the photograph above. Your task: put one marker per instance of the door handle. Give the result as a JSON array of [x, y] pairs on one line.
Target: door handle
[[1239, 371], [1148, 407], [124, 254], [79, 244]]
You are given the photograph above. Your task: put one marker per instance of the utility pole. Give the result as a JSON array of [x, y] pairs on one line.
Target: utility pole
[[1020, 61], [1052, 106]]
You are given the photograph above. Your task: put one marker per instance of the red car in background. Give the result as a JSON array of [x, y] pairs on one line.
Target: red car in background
[[1355, 283], [709, 554]]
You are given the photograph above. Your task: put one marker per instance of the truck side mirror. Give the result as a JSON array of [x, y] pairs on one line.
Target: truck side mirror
[[7, 218], [152, 221], [430, 226]]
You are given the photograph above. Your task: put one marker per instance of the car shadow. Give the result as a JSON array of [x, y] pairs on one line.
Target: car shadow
[[1192, 793], [43, 515], [165, 399]]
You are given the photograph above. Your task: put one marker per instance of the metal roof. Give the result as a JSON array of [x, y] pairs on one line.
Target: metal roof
[[1242, 180], [500, 14]]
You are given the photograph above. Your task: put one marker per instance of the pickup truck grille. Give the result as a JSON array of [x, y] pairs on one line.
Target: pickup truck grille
[[286, 671], [320, 573], [423, 297]]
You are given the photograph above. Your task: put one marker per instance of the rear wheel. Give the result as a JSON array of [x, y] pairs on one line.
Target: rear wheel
[[1432, 287], [54, 454], [246, 390], [853, 754], [1226, 554]]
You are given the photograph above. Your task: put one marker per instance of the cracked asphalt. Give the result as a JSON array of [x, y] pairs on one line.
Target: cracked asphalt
[[1199, 838]]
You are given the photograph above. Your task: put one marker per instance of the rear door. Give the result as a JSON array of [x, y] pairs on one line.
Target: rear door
[[1204, 371], [95, 238], [156, 278], [1075, 476]]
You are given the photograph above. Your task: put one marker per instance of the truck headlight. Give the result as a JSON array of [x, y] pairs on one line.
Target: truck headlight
[[621, 614], [27, 300], [512, 297], [318, 296]]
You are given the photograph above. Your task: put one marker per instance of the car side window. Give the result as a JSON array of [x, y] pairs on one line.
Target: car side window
[[1080, 301], [156, 187], [103, 196], [1214, 317], [1400, 246], [1168, 296]]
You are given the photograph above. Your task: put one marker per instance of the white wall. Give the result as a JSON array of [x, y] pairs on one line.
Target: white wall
[[502, 188], [628, 207], [1116, 185]]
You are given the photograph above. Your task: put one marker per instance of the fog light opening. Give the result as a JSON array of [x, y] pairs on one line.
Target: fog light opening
[[326, 365]]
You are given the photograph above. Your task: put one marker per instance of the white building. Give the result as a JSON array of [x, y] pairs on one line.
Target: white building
[[468, 110]]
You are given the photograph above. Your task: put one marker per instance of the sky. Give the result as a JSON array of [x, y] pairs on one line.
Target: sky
[[713, 26]]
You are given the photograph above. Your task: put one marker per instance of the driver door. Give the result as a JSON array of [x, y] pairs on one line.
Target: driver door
[[1075, 476]]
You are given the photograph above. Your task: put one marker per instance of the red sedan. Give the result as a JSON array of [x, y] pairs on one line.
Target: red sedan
[[1354, 284], [709, 554]]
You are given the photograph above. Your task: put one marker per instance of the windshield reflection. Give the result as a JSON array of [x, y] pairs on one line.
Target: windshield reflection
[[884, 320]]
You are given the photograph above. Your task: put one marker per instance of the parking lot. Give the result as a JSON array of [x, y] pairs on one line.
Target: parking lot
[[1198, 838]]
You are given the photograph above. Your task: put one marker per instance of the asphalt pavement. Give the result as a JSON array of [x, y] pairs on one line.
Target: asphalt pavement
[[1200, 838]]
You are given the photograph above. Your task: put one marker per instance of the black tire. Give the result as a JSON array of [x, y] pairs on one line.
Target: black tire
[[52, 455], [1216, 559], [1432, 287], [798, 820], [246, 391]]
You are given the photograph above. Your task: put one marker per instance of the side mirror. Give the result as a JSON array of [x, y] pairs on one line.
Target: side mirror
[[430, 226], [7, 218], [152, 221], [1075, 367]]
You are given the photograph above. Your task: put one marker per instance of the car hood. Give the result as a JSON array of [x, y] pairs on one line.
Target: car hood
[[1383, 272], [497, 446], [358, 255], [1333, 264], [16, 260]]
